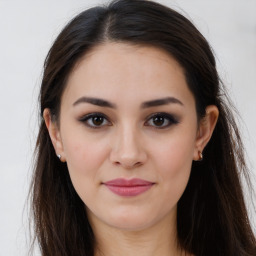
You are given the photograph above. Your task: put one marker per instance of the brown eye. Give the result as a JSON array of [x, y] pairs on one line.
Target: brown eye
[[95, 120], [161, 120], [158, 120]]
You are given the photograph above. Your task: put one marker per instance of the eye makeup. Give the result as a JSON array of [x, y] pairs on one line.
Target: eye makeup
[[95, 120], [161, 120], [158, 120]]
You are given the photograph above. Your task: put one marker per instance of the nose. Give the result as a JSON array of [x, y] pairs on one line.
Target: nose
[[127, 149]]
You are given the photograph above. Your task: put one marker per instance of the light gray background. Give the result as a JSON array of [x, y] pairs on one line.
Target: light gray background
[[27, 30]]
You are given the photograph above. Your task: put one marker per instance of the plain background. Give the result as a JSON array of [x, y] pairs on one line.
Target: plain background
[[27, 30]]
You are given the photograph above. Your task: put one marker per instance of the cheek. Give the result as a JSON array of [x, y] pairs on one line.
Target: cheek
[[84, 159], [82, 150], [173, 161], [81, 155]]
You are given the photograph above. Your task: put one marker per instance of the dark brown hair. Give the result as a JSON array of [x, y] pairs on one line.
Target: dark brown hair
[[212, 216]]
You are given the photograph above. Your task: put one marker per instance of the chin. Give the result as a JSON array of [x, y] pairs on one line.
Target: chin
[[131, 225], [133, 221]]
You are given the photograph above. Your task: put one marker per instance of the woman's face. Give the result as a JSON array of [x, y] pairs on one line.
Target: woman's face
[[129, 133]]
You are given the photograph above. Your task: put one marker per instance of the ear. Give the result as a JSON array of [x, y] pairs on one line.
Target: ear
[[205, 129], [54, 133]]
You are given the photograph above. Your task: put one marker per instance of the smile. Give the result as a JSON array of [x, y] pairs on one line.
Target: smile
[[128, 188]]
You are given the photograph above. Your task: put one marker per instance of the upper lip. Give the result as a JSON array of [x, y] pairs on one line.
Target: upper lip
[[128, 182]]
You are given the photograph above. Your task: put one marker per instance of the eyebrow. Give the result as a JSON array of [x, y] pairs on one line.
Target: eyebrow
[[160, 102], [95, 101], [147, 104]]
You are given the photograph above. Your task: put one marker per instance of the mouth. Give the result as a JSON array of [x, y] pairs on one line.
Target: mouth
[[128, 188]]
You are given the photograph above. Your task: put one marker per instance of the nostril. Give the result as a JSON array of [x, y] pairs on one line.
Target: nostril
[[138, 164], [127, 165]]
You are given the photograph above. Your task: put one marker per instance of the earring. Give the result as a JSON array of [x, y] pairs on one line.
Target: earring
[[200, 155], [59, 156]]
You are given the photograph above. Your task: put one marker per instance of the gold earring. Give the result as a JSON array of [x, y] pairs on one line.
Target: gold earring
[[200, 155]]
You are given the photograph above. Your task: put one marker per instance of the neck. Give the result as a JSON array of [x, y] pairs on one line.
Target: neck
[[160, 239]]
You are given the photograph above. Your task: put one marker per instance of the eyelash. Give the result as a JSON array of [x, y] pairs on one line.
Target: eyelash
[[170, 119], [167, 118], [89, 118]]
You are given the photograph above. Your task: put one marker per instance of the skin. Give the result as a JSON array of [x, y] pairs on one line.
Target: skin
[[129, 143]]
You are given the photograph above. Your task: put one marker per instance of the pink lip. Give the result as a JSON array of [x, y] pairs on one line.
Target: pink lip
[[133, 187]]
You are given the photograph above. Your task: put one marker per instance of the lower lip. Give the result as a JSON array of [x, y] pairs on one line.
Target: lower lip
[[129, 190]]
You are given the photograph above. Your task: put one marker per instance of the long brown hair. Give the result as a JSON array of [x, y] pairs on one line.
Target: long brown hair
[[212, 216]]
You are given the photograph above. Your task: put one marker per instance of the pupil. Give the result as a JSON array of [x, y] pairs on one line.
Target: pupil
[[97, 120], [158, 121]]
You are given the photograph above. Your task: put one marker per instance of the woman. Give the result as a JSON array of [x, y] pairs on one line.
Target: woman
[[137, 153]]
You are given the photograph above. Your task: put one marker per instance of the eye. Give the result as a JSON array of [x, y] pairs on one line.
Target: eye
[[95, 120], [161, 120]]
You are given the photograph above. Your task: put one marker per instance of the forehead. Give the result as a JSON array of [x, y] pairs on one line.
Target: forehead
[[119, 70]]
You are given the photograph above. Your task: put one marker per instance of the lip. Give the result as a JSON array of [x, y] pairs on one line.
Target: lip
[[128, 188]]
